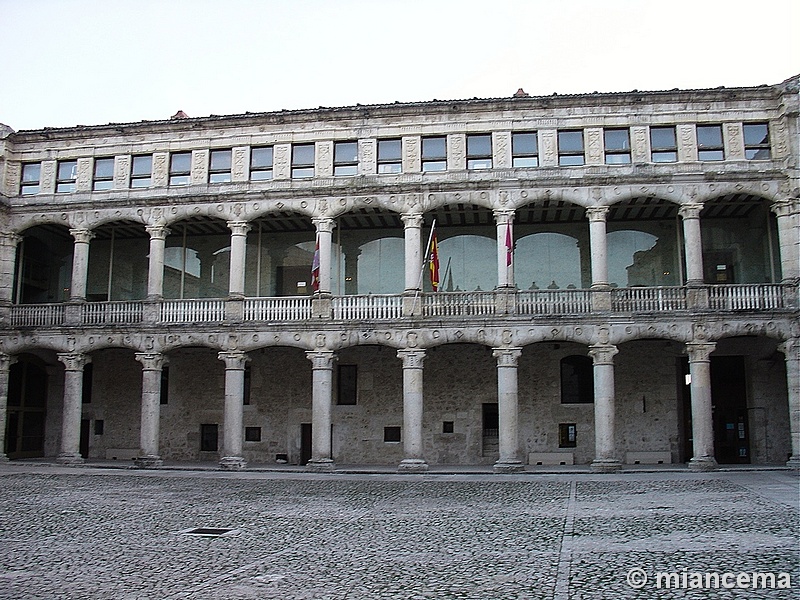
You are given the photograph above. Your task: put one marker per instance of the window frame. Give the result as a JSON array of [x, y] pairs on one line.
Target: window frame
[[477, 158], [347, 166], [390, 165], [752, 150], [262, 171], [138, 179], [565, 432], [710, 152], [519, 158], [664, 154], [623, 153], [220, 174], [102, 182], [30, 183], [182, 176], [303, 170], [433, 163], [565, 157], [66, 185], [392, 435]]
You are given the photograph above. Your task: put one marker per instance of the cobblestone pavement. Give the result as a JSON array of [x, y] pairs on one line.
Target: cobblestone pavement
[[88, 533]]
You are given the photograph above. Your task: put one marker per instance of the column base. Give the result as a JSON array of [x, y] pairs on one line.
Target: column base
[[69, 458], [232, 463], [606, 465], [3, 458], [508, 466], [148, 461], [703, 463], [320, 465], [412, 465], [792, 463]]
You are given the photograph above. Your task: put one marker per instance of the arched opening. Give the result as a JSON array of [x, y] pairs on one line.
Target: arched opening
[[118, 262], [44, 265], [369, 250], [197, 259], [280, 250]]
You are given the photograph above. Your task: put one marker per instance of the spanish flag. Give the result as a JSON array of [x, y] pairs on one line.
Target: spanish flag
[[433, 261]]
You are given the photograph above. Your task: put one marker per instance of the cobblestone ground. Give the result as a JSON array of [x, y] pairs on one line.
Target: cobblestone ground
[[99, 533]]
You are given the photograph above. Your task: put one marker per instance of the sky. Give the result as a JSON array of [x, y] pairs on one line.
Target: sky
[[92, 62]]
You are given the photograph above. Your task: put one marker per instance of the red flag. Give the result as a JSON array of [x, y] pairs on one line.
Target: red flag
[[315, 268], [509, 245], [433, 262]]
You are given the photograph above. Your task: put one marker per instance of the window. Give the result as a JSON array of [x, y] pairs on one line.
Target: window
[[248, 378], [252, 434], [479, 151], [220, 169], [261, 163], [347, 384], [164, 385], [142, 171], [570, 148], [103, 174], [567, 435], [577, 380], [618, 146], [524, 150], [663, 144], [447, 427], [209, 438], [391, 434], [31, 177], [434, 154], [756, 141], [709, 142], [67, 174], [390, 158], [302, 161], [180, 168], [345, 158], [99, 426]]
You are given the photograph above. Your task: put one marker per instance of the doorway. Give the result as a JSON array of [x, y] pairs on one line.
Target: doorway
[[27, 403], [491, 429], [305, 443]]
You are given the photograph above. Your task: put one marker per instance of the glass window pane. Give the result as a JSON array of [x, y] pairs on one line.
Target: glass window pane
[[261, 158], [30, 188], [67, 170], [757, 153], [179, 180], [434, 148], [140, 182], [390, 168], [660, 157], [755, 134], [709, 136], [261, 175], [103, 184], [621, 158], [302, 172], [31, 172], [479, 163], [303, 154], [526, 161], [345, 170], [570, 141], [219, 177], [570, 160], [180, 163], [524, 143], [345, 152], [617, 139], [479, 145], [434, 165], [220, 160], [142, 165], [104, 168], [662, 138], [389, 150], [710, 155]]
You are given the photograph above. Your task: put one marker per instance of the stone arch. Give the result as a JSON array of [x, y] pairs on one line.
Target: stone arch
[[43, 266]]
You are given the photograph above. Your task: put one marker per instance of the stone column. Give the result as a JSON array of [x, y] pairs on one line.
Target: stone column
[[505, 267], [73, 407], [325, 234], [322, 377], [239, 231], [152, 364], [599, 246], [508, 410], [232, 458], [791, 351], [693, 243], [605, 460], [5, 365], [412, 304], [786, 213], [8, 253], [80, 264], [413, 461], [702, 415], [155, 273]]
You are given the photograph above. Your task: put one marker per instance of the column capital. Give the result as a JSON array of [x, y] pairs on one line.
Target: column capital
[[412, 220], [82, 236], [157, 232], [10, 239], [503, 216], [151, 361], [785, 208], [412, 359], [690, 210], [234, 359], [700, 351], [239, 227], [6, 360], [325, 224], [597, 213], [790, 348], [603, 354], [73, 361], [507, 357], [321, 359]]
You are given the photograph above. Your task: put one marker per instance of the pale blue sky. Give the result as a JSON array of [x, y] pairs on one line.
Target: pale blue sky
[[71, 62]]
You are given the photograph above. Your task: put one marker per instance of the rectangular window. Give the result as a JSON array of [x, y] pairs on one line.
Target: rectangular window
[[142, 171], [103, 174], [248, 378], [347, 384], [663, 144], [219, 170], [209, 438], [345, 159], [391, 434], [66, 176], [86, 391], [261, 163], [618, 146], [164, 385], [31, 178], [99, 426], [479, 151], [709, 142], [570, 148], [302, 161], [756, 141], [567, 435], [390, 159], [252, 434], [180, 168], [448, 427], [434, 154], [524, 149]]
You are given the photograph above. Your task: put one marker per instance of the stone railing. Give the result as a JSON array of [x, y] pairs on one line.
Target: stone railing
[[648, 299], [458, 304], [554, 302], [286, 308], [755, 296], [369, 307], [38, 315], [192, 311], [108, 313]]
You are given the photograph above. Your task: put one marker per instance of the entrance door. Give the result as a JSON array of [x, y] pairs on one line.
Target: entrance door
[[27, 402], [729, 397], [491, 429], [84, 447], [305, 443]]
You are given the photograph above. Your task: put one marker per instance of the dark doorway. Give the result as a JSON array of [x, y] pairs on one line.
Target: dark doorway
[[305, 443], [84, 446], [491, 429], [27, 403], [209, 437]]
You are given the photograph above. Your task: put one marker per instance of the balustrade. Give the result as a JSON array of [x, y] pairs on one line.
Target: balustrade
[[286, 308], [369, 307]]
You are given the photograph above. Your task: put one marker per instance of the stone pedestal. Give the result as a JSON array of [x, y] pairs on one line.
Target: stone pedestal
[[148, 462], [412, 465]]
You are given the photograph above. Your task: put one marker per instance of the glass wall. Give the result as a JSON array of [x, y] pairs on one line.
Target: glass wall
[[280, 250], [118, 263], [197, 259], [44, 265]]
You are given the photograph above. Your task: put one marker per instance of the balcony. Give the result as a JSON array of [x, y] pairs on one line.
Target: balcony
[[387, 308]]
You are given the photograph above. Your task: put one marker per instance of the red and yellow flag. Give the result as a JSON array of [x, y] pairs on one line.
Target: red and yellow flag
[[433, 262]]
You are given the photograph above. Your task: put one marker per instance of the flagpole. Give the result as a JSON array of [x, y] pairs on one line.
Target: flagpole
[[422, 266]]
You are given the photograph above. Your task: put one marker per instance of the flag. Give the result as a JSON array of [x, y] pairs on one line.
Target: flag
[[433, 261], [315, 268], [509, 245]]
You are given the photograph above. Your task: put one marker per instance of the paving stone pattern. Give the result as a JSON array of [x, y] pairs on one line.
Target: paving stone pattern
[[99, 533]]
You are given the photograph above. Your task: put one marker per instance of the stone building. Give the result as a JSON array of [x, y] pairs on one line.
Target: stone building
[[619, 284]]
